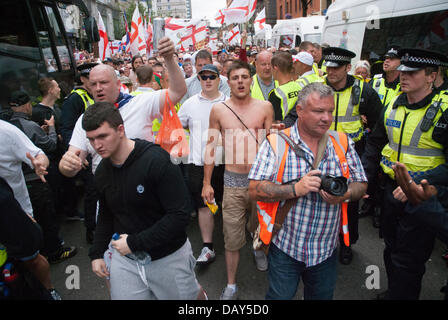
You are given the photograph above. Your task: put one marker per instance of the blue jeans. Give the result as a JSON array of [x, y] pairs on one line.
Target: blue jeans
[[285, 272]]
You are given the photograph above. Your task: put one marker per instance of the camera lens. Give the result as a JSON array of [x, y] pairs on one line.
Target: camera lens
[[336, 186]]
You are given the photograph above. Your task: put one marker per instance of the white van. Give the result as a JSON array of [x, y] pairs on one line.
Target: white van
[[368, 27], [291, 32]]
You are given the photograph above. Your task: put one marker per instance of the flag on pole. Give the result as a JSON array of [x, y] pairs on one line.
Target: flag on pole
[[239, 11], [137, 43], [234, 37], [127, 41], [194, 33], [115, 46], [260, 21], [219, 17], [149, 44], [175, 29], [103, 44]]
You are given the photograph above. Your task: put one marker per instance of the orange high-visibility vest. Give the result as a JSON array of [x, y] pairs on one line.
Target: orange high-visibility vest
[[267, 210]]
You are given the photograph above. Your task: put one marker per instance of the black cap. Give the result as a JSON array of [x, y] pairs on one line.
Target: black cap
[[209, 67], [336, 57], [85, 68], [392, 52], [413, 59], [18, 98]]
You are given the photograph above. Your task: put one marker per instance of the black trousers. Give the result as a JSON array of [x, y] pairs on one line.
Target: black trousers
[[409, 245], [90, 198], [45, 214]]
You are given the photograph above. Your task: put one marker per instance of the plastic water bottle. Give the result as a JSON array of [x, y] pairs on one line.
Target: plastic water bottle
[[140, 256]]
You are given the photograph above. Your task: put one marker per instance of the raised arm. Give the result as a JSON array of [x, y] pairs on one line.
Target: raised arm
[[177, 87]]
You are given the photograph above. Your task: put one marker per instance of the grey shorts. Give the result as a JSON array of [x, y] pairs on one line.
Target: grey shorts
[[168, 278]]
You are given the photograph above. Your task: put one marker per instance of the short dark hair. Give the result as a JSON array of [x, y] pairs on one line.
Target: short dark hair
[[101, 112], [44, 85], [304, 45], [144, 74], [283, 61], [238, 64], [203, 54]]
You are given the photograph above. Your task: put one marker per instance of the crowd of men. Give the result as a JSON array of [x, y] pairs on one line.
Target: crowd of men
[[267, 130]]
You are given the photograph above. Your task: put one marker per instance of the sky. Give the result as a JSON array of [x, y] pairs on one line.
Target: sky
[[207, 8]]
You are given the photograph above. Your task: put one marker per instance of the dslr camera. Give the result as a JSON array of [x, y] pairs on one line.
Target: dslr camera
[[336, 186]]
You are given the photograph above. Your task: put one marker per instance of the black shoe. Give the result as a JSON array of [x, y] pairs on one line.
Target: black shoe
[[367, 208], [383, 295], [345, 254], [89, 236], [63, 254]]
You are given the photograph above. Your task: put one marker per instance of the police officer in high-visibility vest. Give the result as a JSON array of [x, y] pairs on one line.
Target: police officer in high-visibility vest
[[387, 84], [441, 82], [283, 98], [263, 81], [412, 130], [76, 102], [73, 107], [357, 107]]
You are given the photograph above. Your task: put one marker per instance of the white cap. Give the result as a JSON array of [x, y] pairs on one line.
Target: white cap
[[304, 57]]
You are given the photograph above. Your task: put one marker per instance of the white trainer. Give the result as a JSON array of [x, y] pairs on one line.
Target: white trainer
[[207, 256]]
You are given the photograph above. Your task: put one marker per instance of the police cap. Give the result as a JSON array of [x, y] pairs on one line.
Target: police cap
[[336, 57], [413, 59], [392, 52], [85, 68]]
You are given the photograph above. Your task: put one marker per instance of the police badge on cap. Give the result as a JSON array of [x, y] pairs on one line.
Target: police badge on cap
[[84, 69], [392, 52], [416, 59], [336, 57]]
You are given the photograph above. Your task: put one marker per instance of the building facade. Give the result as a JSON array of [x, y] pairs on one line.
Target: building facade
[[289, 9], [173, 8]]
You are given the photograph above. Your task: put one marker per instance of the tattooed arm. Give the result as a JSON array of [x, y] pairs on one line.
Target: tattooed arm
[[268, 191]]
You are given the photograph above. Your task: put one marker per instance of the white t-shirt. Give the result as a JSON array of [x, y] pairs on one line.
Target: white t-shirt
[[13, 148], [194, 114], [137, 115]]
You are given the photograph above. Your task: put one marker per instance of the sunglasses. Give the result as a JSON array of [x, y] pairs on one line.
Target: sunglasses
[[211, 77]]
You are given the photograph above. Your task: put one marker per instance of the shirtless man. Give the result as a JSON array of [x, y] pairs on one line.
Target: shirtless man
[[240, 147]]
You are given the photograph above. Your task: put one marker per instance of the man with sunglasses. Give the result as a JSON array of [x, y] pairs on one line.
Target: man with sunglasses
[[194, 115]]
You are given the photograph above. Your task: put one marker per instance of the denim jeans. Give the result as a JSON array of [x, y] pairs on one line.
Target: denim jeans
[[285, 273]]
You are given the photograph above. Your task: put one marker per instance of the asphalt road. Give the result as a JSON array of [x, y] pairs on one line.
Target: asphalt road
[[75, 280]]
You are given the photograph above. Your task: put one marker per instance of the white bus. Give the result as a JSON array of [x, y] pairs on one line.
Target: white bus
[[368, 27], [291, 32]]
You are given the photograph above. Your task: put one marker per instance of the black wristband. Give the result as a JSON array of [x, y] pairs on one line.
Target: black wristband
[[294, 190]]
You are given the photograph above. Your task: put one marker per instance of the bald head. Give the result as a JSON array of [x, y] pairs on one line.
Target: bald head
[[263, 65], [106, 69], [104, 84]]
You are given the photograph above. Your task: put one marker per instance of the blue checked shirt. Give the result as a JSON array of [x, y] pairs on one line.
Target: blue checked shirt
[[310, 230]]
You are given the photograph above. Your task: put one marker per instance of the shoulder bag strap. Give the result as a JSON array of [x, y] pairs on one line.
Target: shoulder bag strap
[[241, 121]]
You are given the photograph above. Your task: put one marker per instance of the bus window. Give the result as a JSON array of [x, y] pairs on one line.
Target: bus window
[[61, 45], [16, 36]]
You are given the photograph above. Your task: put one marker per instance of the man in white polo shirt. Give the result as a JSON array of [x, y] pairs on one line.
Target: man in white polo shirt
[[138, 112], [194, 115]]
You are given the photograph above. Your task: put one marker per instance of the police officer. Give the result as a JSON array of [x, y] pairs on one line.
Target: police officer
[[441, 82], [387, 84], [284, 97], [73, 107], [263, 81], [413, 130], [76, 102]]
